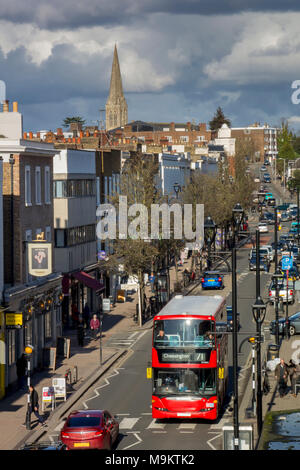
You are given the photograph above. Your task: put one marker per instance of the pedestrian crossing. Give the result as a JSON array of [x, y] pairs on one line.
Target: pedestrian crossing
[[124, 339], [145, 422]]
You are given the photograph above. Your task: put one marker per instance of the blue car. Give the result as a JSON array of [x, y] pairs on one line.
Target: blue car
[[212, 280], [264, 264], [230, 319]]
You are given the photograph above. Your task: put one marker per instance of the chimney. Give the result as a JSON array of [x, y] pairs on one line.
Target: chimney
[[25, 135], [38, 134], [188, 124], [6, 106], [30, 135], [15, 106]]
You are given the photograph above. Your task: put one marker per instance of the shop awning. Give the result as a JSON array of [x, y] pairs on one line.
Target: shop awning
[[88, 281]]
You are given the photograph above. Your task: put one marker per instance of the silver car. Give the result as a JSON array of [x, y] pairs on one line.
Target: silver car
[[286, 293]]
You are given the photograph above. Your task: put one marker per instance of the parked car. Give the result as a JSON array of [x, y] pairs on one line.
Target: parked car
[[267, 178], [264, 264], [293, 213], [266, 163], [230, 319], [263, 168], [285, 217], [268, 217], [271, 251], [286, 292], [293, 325], [263, 227], [212, 280], [271, 202], [90, 429]]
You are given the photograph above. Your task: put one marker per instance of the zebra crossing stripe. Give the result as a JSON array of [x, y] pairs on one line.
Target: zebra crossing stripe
[[128, 423], [155, 425], [187, 426]]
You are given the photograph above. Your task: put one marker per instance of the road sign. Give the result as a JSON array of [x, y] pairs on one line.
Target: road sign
[[286, 263]]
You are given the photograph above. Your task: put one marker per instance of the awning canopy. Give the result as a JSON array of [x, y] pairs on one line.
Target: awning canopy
[[88, 281]]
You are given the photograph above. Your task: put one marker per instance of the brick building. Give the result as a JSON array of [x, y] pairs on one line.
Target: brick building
[[263, 138], [27, 213]]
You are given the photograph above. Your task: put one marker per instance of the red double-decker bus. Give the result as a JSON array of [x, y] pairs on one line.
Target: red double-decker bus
[[189, 358]]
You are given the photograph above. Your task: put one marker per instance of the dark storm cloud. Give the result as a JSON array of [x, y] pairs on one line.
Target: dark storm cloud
[[58, 78], [55, 14]]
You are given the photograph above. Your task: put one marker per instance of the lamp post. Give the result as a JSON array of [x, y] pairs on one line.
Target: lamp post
[[277, 276], [237, 215], [177, 188], [28, 352], [259, 313], [209, 236], [100, 339]]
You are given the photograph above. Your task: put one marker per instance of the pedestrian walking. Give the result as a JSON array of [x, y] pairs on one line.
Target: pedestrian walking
[[94, 325], [21, 365], [86, 315], [294, 374], [34, 405], [281, 374], [80, 333], [75, 315]]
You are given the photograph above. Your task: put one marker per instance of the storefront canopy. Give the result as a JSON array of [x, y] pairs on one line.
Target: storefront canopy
[[88, 281]]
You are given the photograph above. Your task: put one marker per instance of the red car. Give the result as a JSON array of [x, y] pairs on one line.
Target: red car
[[90, 429]]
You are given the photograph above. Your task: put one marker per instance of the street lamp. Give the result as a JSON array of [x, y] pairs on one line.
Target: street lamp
[[177, 188], [28, 353], [259, 313], [237, 215], [209, 236], [277, 276]]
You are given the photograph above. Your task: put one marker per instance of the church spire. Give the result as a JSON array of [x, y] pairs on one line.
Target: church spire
[[116, 106]]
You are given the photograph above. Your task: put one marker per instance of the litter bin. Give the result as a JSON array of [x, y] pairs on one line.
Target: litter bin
[[273, 352]]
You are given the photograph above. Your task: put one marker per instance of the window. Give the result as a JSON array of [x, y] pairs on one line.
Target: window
[[27, 186], [11, 347], [47, 326], [47, 185], [28, 235], [60, 238], [48, 234], [74, 188], [38, 196]]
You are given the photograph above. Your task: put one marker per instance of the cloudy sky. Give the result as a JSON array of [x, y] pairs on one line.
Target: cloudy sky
[[179, 59]]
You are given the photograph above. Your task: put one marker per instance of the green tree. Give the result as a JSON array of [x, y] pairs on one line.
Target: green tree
[[137, 256], [284, 142], [68, 120], [218, 120]]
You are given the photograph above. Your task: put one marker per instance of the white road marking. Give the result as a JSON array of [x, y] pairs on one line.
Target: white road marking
[[128, 423], [133, 334], [154, 425], [187, 426], [59, 427], [135, 443], [212, 439]]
